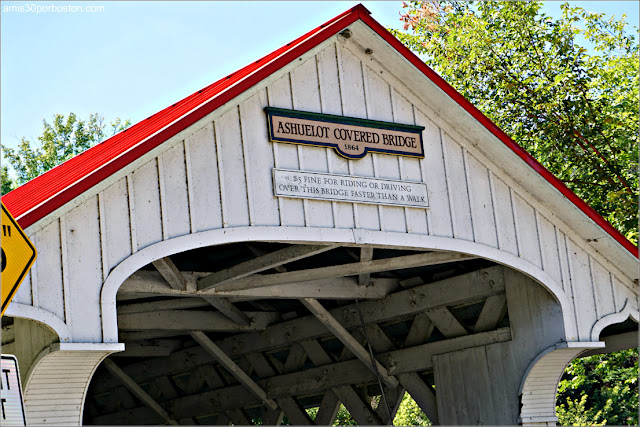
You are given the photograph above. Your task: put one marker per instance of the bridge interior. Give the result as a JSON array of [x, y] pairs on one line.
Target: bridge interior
[[250, 333]]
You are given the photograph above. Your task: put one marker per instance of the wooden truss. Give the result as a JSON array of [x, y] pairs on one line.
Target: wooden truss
[[291, 328]]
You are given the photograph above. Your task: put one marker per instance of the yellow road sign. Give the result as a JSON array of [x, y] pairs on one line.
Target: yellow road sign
[[18, 254]]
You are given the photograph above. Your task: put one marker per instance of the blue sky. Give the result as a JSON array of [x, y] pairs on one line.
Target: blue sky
[[131, 59]]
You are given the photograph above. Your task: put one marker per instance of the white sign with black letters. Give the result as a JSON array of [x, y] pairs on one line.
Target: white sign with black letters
[[346, 188], [11, 393]]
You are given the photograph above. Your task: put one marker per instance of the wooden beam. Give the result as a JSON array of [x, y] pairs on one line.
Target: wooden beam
[[493, 311], [234, 369], [228, 309], [138, 391], [359, 410], [351, 269], [262, 263], [328, 409], [343, 335], [420, 331], [310, 381], [446, 322], [366, 254], [260, 252], [161, 348], [295, 413], [170, 272], [172, 304], [192, 320], [238, 417], [411, 381], [145, 284]]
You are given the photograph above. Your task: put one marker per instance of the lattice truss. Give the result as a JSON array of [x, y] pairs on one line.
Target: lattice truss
[[254, 333]]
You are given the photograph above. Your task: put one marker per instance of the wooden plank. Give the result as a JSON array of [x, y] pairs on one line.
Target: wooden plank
[[234, 369], [527, 230], [446, 322], [503, 214], [401, 262], [259, 161], [202, 173], [481, 203], [238, 417], [262, 263], [359, 410], [48, 269], [493, 311], [228, 309], [328, 409], [232, 170], [162, 348], [420, 331], [343, 335], [170, 273], [171, 304], [138, 391], [116, 219], [366, 254], [191, 320], [143, 284], [295, 413], [146, 196], [457, 188], [175, 198]]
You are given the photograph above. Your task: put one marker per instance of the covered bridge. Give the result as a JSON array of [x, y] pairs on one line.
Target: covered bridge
[[329, 224]]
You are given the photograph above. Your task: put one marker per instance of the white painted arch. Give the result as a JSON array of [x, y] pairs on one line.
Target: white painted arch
[[316, 236]]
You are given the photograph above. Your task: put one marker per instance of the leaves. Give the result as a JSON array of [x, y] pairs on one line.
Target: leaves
[[61, 140]]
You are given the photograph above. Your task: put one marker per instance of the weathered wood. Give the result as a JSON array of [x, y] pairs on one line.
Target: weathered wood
[[446, 322], [262, 263], [238, 417], [366, 254], [359, 410], [328, 409], [343, 335], [143, 284], [192, 320], [295, 413], [351, 269], [320, 379], [138, 391], [234, 369], [170, 273], [492, 313], [162, 348], [172, 304], [228, 309], [421, 329]]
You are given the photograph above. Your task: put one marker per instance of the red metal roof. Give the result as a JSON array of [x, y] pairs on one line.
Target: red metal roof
[[44, 194]]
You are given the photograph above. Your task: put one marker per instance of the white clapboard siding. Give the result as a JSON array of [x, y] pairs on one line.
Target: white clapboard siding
[[457, 188], [173, 192], [114, 224], [56, 389], [286, 155], [354, 104], [202, 175], [526, 230], [331, 103], [306, 97], [482, 215], [233, 183], [259, 161], [48, 269], [146, 202], [410, 168], [380, 107], [605, 302], [82, 253], [583, 293], [503, 215]]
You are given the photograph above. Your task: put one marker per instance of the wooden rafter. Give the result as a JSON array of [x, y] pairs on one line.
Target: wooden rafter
[[351, 269], [170, 273], [261, 263], [234, 369]]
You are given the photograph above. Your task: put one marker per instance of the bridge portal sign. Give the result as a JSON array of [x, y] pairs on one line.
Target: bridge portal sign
[[352, 138], [18, 255]]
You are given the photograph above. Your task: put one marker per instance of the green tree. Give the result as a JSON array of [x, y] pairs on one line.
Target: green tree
[[61, 139], [575, 111]]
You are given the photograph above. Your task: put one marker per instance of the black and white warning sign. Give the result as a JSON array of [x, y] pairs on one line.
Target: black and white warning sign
[[11, 393]]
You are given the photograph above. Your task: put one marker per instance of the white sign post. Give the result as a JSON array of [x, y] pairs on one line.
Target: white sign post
[[11, 393]]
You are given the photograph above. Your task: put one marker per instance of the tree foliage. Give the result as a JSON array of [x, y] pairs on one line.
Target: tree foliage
[[61, 139], [575, 111]]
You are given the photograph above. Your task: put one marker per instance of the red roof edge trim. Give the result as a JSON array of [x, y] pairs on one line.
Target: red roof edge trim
[[499, 133]]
